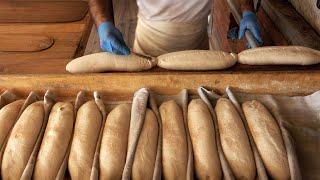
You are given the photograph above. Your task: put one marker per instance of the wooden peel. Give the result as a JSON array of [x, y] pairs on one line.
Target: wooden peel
[[24, 43], [42, 11]]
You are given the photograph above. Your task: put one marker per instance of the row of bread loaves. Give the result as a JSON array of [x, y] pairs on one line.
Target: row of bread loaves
[[79, 135]]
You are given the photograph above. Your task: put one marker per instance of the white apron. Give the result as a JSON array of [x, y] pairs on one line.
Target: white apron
[[171, 25]]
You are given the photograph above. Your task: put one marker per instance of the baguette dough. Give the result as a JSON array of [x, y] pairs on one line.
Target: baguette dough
[[55, 141], [280, 55], [104, 61], [197, 60], [85, 137], [267, 136], [202, 132], [114, 142], [174, 146], [145, 156], [22, 140], [8, 117], [234, 140]]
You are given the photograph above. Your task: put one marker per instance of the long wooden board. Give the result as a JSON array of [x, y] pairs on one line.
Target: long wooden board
[[42, 11], [292, 25], [24, 43], [121, 86]]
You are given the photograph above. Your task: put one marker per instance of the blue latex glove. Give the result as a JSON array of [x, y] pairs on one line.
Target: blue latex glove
[[111, 39], [249, 22]]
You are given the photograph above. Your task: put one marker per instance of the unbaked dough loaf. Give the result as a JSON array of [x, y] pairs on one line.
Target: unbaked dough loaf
[[22, 140], [146, 152], [114, 142], [174, 146], [280, 55], [85, 137], [104, 61], [202, 133], [234, 140], [8, 117], [197, 60], [55, 141], [267, 136]]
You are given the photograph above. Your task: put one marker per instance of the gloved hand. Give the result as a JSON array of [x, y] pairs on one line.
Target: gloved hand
[[250, 22], [111, 39]]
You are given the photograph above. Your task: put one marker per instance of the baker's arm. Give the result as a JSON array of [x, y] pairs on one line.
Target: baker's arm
[[101, 11], [249, 21], [111, 39], [246, 5]]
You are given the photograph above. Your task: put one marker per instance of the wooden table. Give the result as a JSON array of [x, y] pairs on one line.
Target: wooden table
[[121, 86]]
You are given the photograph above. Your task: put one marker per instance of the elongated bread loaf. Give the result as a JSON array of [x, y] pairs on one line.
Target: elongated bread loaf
[[114, 142], [202, 133], [146, 152], [234, 140], [267, 136], [280, 55], [8, 117], [104, 61], [22, 140], [85, 137], [55, 141], [174, 146], [197, 60]]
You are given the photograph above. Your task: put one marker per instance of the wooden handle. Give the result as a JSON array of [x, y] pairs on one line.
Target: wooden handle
[[42, 11], [24, 43], [237, 15]]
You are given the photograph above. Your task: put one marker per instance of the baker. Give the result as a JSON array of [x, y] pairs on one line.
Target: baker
[[165, 25]]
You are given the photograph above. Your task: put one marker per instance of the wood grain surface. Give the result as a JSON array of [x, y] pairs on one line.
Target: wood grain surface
[[121, 86], [67, 39], [24, 43], [42, 11], [291, 24]]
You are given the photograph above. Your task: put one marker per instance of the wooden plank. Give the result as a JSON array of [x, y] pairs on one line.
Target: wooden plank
[[121, 86], [273, 33], [125, 18], [291, 24], [45, 11], [67, 37], [52, 60], [93, 45], [85, 36], [24, 43]]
